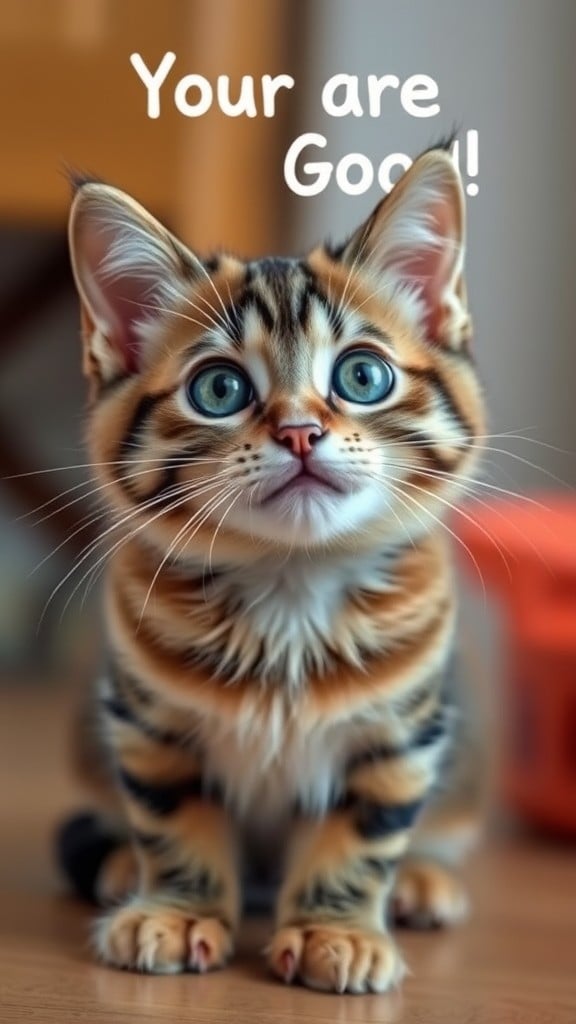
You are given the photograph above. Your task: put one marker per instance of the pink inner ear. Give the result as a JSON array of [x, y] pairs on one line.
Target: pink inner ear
[[117, 302], [426, 271], [124, 298], [431, 269]]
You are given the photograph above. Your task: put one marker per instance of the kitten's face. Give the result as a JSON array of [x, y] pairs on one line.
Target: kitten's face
[[292, 402]]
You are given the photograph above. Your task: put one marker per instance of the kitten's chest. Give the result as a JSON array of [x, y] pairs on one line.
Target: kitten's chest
[[295, 618], [271, 759], [267, 769]]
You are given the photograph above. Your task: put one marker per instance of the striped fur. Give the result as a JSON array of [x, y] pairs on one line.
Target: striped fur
[[277, 660]]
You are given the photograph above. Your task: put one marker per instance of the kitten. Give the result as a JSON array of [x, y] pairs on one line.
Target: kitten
[[278, 442]]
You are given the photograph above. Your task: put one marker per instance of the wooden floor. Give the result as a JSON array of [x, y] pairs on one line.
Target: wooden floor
[[514, 963]]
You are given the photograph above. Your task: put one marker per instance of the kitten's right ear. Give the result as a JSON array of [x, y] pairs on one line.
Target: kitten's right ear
[[126, 266]]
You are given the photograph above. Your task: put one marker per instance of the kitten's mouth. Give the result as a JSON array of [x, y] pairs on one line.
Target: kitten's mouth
[[304, 482]]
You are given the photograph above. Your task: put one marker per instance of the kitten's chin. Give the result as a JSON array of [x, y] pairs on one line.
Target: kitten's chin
[[308, 517]]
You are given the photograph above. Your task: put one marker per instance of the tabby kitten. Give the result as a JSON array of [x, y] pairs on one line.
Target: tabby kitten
[[278, 442]]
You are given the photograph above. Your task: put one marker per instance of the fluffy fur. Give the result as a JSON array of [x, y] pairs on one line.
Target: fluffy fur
[[278, 653]]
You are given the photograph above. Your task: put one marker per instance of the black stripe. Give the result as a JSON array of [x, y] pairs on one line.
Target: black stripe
[[194, 883], [281, 276], [151, 841], [336, 319], [133, 686], [379, 867], [375, 821], [427, 733], [162, 798], [235, 322], [124, 713], [338, 898], [450, 402], [411, 703], [430, 731], [334, 313], [427, 448], [109, 387], [142, 413], [304, 306], [251, 299], [143, 410]]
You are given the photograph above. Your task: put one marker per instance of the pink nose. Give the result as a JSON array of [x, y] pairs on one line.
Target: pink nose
[[300, 440]]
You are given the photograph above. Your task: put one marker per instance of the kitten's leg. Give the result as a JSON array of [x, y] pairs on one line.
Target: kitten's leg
[[429, 892], [331, 916], [186, 908]]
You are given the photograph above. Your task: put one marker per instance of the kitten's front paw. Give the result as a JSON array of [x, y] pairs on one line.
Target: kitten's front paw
[[162, 940], [428, 895], [336, 959]]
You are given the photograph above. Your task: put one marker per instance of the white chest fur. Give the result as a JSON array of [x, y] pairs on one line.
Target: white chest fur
[[268, 767], [292, 610]]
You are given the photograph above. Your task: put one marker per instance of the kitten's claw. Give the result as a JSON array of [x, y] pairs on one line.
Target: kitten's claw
[[210, 945], [162, 940], [288, 966], [200, 957], [335, 958]]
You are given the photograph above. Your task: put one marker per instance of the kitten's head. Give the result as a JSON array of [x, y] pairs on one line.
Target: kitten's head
[[329, 400]]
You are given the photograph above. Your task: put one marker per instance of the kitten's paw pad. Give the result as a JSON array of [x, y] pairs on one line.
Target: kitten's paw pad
[[428, 895], [162, 940], [336, 959]]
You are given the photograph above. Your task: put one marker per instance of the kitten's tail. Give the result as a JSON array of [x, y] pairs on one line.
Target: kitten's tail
[[96, 858]]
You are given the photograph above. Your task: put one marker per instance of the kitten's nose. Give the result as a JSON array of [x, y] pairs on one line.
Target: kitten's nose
[[299, 439]]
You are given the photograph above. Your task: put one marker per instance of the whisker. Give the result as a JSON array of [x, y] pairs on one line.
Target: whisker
[[458, 540], [513, 435], [213, 541], [84, 554], [155, 308], [96, 465], [219, 323], [173, 544], [476, 481], [217, 294], [492, 507], [460, 512], [93, 572], [101, 487], [355, 263], [184, 495], [98, 516]]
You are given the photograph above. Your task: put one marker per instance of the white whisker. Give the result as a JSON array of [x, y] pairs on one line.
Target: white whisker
[[174, 542]]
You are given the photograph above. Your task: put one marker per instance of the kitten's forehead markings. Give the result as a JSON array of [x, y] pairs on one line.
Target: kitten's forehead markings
[[277, 351], [320, 337], [253, 348], [300, 350]]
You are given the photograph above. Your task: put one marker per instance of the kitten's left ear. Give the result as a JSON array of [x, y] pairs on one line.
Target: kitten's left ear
[[127, 267], [415, 238]]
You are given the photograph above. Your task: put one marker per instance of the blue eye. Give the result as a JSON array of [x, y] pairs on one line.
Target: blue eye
[[219, 390], [362, 376]]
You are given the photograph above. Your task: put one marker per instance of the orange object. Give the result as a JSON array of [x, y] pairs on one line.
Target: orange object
[[526, 551]]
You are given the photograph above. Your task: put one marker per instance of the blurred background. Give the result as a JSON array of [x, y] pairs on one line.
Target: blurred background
[[69, 98]]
